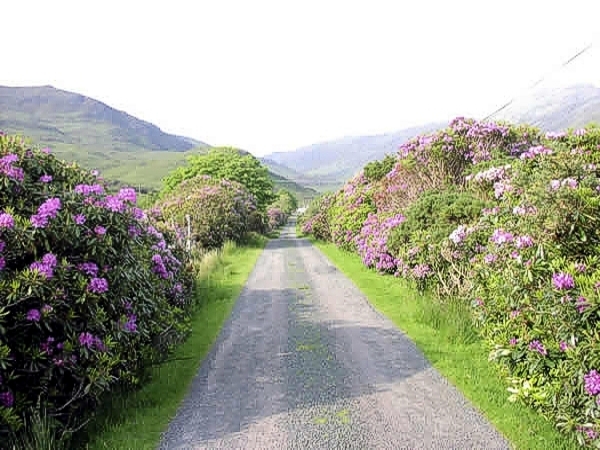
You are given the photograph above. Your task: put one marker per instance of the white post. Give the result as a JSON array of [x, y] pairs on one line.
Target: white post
[[188, 243]]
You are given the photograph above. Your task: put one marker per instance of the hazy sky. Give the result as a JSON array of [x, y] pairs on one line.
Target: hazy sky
[[274, 75]]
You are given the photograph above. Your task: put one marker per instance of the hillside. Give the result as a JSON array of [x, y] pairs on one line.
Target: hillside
[[124, 148], [556, 109], [53, 116], [340, 159], [85, 130], [316, 183]]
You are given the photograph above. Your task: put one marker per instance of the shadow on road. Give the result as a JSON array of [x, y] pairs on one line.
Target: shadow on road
[[293, 362]]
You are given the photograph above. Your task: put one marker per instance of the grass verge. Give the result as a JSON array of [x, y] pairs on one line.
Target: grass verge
[[445, 336], [136, 420]]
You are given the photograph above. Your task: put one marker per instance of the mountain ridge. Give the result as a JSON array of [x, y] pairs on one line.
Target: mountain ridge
[[61, 114]]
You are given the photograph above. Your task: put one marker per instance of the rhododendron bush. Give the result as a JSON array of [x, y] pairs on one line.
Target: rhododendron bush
[[348, 210], [537, 280], [91, 292], [219, 209], [315, 220], [279, 211], [506, 219]]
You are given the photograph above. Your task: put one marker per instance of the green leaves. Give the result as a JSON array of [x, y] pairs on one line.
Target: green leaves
[[226, 163]]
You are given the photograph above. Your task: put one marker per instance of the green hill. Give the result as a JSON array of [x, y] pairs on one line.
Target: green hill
[[125, 149]]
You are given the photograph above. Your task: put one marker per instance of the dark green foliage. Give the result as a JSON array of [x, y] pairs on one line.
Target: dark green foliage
[[376, 170], [436, 213], [227, 163]]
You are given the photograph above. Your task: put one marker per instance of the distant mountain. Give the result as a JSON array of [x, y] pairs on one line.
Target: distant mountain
[[53, 116], [320, 184], [556, 109], [282, 170], [340, 159], [125, 149]]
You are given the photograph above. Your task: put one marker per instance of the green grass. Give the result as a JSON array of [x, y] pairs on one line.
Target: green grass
[[136, 420], [449, 342]]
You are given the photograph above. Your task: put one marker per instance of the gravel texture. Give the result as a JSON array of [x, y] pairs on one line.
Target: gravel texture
[[304, 362]]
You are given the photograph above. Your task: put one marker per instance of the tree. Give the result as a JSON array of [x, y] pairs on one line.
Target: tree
[[286, 201], [376, 170], [228, 163]]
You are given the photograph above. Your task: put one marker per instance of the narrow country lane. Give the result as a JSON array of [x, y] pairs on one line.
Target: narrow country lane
[[304, 362]]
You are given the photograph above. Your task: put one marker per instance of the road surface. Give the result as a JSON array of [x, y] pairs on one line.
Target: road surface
[[304, 362]]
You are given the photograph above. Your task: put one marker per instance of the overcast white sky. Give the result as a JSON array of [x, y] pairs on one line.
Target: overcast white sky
[[274, 75]]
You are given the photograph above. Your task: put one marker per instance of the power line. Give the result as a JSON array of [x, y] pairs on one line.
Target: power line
[[566, 63]]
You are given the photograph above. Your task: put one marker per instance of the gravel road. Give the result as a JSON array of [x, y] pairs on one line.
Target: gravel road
[[304, 362]]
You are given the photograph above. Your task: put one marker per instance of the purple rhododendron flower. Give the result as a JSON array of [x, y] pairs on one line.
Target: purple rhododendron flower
[[592, 382], [421, 271], [563, 346], [562, 281], [42, 268], [88, 189], [6, 221], [581, 304], [33, 315], [523, 241], [2, 246], [131, 325], [128, 195], [6, 167], [47, 210], [46, 266], [7, 399], [89, 268], [9, 159], [513, 341], [537, 346], [79, 219], [49, 259], [98, 285], [46, 178], [114, 203], [501, 237], [100, 230], [490, 258], [159, 266], [86, 339]]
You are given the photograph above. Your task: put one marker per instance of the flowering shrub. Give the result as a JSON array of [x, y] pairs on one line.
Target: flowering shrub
[[90, 291], [350, 207], [419, 241], [229, 164], [371, 242], [439, 160], [507, 219], [543, 243], [315, 219], [276, 217], [279, 211], [219, 209]]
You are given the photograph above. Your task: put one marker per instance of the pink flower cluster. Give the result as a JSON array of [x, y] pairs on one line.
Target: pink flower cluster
[[7, 168]]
